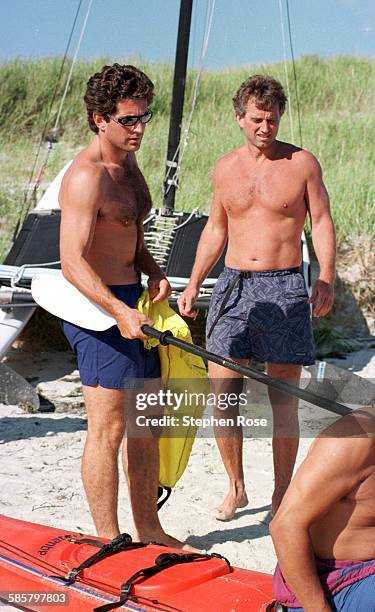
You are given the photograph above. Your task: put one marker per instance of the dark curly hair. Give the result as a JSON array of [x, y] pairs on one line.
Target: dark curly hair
[[111, 84], [266, 91]]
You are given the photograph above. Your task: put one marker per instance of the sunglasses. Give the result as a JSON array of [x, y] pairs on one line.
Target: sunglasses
[[130, 120]]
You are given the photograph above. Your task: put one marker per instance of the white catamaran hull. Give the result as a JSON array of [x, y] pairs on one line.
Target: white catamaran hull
[[13, 320]]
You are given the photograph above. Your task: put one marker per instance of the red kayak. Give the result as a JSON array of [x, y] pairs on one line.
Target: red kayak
[[43, 568]]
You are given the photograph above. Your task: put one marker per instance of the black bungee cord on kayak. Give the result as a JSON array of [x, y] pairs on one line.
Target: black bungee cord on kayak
[[120, 543], [124, 542], [162, 562]]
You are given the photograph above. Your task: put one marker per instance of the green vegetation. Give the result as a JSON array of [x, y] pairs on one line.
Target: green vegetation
[[336, 106]]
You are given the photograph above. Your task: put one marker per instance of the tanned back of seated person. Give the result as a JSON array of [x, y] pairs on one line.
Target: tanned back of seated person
[[326, 522]]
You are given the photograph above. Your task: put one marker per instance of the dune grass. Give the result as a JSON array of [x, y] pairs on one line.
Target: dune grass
[[336, 98]]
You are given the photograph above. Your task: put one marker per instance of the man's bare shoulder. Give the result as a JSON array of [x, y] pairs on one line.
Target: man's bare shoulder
[[84, 167], [229, 161], [84, 175], [303, 160], [294, 153], [350, 440], [359, 424]]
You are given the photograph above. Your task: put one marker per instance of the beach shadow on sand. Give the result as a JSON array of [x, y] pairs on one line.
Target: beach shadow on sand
[[14, 428], [236, 534]]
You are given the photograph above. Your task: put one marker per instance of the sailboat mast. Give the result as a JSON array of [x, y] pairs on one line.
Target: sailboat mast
[[178, 94]]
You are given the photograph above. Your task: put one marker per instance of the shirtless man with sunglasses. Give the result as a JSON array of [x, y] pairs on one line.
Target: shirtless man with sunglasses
[[104, 201]]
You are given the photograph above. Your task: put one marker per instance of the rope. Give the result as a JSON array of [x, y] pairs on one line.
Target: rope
[[193, 212], [159, 238], [184, 140], [17, 277]]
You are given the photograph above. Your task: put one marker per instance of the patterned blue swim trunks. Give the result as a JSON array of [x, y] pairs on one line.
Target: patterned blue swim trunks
[[357, 597], [262, 316], [107, 359]]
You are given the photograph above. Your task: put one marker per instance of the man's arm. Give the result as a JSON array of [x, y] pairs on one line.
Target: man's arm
[[210, 247], [341, 463], [79, 199], [323, 237], [158, 285]]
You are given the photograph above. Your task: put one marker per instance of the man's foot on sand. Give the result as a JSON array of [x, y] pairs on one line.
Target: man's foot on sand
[[166, 540], [227, 510]]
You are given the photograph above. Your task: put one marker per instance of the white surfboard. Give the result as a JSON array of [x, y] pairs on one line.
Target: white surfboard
[[59, 297]]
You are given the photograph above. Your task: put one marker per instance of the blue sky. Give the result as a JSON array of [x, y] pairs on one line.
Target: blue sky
[[243, 32]]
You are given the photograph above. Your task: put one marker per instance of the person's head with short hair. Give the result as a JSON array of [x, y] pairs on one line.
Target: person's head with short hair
[[114, 83], [265, 91]]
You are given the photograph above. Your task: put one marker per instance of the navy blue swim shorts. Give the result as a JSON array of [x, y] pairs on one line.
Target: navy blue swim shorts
[[262, 316], [107, 359]]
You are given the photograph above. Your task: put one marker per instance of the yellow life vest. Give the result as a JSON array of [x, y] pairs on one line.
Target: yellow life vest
[[175, 443]]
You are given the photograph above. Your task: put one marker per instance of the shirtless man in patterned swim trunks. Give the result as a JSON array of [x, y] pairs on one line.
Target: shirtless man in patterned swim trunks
[[262, 193], [324, 530], [104, 200]]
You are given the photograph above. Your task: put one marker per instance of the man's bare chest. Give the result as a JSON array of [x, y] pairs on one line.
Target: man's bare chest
[[278, 190], [124, 204]]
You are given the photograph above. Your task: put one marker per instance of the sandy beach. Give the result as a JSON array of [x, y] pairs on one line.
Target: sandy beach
[[40, 457]]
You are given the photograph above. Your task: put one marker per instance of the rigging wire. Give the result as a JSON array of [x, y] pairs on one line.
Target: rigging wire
[[74, 61], [27, 200], [291, 125], [184, 139], [294, 74], [42, 138], [55, 128], [208, 26], [193, 36]]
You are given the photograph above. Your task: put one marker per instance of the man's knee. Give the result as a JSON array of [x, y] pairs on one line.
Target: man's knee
[[110, 434], [283, 404], [105, 415], [284, 371]]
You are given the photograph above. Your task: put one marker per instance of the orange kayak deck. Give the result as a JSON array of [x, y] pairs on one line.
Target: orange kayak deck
[[36, 558]]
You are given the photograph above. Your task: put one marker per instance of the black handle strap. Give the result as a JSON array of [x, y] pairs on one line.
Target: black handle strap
[[162, 562], [118, 544]]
